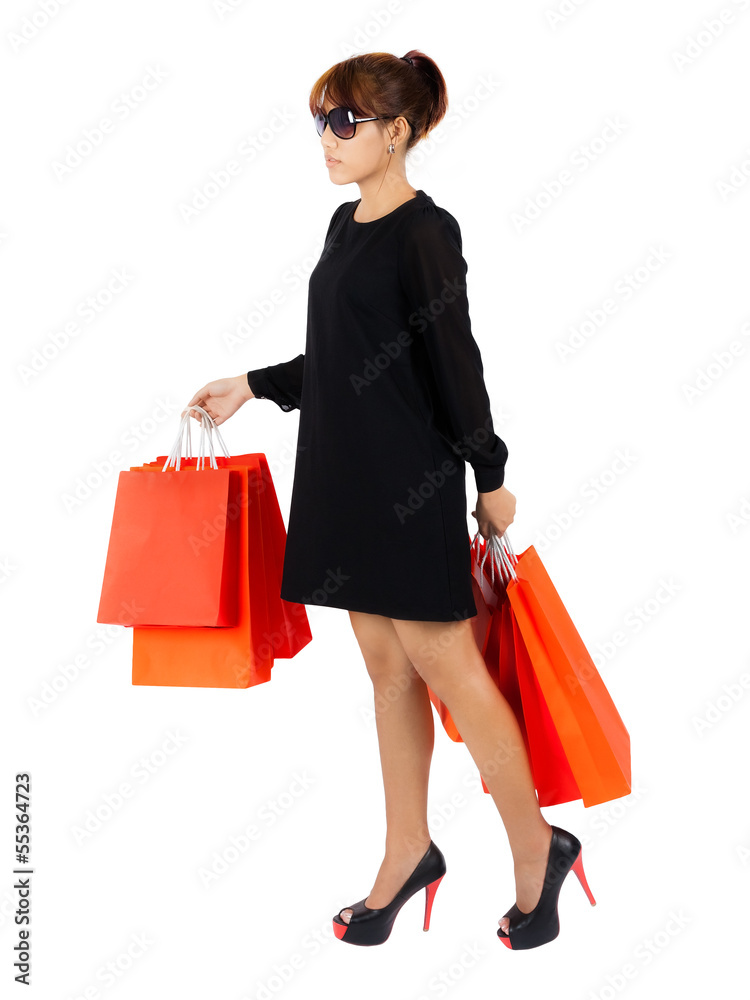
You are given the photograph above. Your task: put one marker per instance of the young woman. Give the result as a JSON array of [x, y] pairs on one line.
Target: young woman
[[392, 405]]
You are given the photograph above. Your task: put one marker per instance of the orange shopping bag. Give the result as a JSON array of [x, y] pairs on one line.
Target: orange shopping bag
[[235, 657], [239, 656], [289, 628], [553, 778], [592, 733]]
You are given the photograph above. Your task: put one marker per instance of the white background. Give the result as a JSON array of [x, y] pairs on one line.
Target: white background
[[528, 93]]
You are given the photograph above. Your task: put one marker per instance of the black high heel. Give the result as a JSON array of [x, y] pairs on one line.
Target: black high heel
[[373, 926], [542, 924]]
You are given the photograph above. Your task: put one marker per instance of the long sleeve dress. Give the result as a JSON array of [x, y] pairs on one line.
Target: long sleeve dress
[[392, 404]]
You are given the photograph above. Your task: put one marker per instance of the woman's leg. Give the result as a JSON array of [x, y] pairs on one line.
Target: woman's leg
[[447, 657], [403, 714]]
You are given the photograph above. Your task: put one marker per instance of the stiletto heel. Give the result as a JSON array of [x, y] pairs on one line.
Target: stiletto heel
[[542, 924], [430, 891], [368, 926], [578, 869]]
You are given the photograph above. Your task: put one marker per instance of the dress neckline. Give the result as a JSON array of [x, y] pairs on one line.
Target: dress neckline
[[387, 215]]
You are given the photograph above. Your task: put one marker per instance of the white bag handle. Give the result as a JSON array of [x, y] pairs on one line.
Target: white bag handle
[[501, 550], [506, 556], [175, 456], [208, 426], [212, 427]]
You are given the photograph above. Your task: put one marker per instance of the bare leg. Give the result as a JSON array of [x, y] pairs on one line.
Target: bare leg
[[403, 714], [448, 659]]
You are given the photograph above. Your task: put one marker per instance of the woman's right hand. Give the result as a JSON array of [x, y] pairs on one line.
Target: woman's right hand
[[221, 398]]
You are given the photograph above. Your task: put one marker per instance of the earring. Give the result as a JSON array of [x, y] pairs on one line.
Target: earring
[[391, 148]]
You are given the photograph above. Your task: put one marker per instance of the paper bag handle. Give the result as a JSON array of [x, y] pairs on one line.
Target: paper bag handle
[[501, 550], [208, 426]]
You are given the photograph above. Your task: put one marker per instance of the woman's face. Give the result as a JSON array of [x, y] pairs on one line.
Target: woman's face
[[355, 160]]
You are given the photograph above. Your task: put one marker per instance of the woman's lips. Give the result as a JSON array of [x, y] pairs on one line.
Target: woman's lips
[[330, 162]]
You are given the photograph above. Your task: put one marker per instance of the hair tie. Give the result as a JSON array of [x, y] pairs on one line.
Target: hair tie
[[408, 59]]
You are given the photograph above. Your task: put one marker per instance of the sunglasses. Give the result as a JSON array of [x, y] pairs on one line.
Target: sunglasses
[[342, 122]]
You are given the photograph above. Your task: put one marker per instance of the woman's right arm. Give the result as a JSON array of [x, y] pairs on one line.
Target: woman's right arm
[[224, 396]]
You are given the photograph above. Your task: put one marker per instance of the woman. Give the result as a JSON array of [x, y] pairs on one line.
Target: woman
[[392, 404]]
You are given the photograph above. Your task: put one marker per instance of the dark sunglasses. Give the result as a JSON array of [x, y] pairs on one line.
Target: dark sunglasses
[[342, 122]]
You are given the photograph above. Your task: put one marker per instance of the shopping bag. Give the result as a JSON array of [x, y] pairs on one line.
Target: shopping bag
[[239, 656], [288, 625], [556, 745], [288, 621], [157, 570], [553, 777], [233, 657], [591, 731], [494, 634]]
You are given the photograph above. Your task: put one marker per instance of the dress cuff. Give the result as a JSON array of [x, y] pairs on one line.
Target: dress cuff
[[257, 382], [489, 479]]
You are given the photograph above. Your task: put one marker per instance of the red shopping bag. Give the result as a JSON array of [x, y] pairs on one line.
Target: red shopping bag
[[287, 620], [157, 570]]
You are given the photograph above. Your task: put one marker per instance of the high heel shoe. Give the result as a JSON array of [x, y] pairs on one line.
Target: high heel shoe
[[373, 926], [542, 924]]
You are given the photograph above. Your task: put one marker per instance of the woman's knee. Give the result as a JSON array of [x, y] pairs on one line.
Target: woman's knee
[[384, 656]]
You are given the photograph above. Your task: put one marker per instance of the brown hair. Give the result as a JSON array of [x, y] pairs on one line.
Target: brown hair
[[379, 83]]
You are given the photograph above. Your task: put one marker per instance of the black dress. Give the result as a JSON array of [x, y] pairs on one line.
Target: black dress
[[392, 405]]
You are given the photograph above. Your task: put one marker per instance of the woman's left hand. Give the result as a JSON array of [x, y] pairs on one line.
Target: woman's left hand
[[495, 511]]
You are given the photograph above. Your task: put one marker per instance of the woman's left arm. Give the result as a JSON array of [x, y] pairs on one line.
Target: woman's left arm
[[432, 271]]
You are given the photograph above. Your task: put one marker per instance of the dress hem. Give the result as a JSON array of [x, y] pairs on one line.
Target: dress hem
[[400, 616]]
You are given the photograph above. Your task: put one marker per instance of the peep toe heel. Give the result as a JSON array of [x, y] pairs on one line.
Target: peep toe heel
[[542, 924], [368, 926]]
